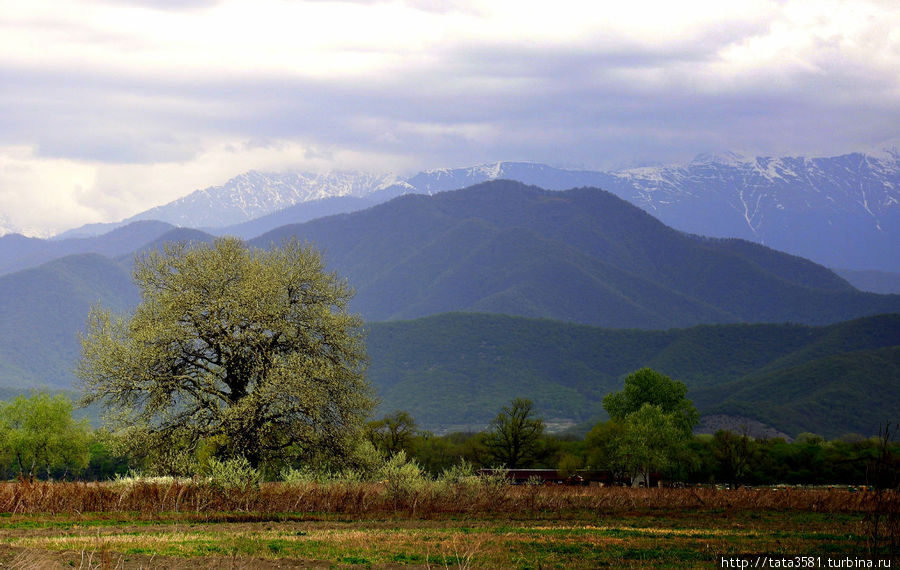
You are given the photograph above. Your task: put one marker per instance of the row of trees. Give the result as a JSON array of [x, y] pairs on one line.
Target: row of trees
[[40, 439], [650, 430]]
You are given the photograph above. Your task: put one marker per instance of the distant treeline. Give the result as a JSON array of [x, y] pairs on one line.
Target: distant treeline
[[40, 439]]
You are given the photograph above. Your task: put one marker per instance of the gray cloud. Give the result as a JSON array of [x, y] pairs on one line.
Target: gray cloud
[[475, 102]]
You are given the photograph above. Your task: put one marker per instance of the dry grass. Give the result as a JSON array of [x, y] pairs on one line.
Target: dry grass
[[185, 524], [354, 498]]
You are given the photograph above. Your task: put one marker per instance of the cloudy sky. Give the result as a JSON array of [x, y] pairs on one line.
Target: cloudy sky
[[109, 107]]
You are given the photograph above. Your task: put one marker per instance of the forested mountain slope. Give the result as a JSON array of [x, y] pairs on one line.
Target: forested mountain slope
[[458, 369], [581, 255], [42, 311]]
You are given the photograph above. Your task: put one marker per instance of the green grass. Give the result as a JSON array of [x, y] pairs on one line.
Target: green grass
[[655, 539]]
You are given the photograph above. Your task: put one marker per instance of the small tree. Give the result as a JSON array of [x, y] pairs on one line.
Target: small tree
[[514, 436], [393, 433], [40, 434], [735, 454], [602, 444], [650, 442], [245, 352]]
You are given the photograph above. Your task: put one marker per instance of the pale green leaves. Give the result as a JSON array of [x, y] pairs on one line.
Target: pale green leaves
[[253, 348]]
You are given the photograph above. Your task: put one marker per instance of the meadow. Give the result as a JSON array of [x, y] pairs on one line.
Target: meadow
[[467, 524]]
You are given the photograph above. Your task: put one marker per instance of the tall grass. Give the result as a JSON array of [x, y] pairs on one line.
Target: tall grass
[[421, 498]]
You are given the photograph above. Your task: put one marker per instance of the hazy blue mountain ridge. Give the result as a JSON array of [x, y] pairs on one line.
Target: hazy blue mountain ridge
[[43, 309], [883, 282], [20, 252]]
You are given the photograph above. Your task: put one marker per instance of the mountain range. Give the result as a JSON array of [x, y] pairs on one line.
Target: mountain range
[[842, 211], [581, 255], [576, 256]]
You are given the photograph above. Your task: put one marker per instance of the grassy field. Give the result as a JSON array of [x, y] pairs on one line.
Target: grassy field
[[183, 525]]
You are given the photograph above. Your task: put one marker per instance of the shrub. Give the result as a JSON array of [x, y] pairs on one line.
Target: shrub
[[233, 474], [403, 477]]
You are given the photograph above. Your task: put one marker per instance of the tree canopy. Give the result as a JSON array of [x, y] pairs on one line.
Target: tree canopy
[[392, 433], [647, 386], [650, 420], [249, 353]]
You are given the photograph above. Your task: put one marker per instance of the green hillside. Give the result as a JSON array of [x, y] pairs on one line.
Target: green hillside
[[854, 392], [458, 369], [581, 255], [43, 309]]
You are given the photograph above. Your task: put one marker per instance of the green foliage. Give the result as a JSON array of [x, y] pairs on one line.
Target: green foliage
[[438, 454], [651, 441], [514, 436], [362, 463], [735, 453], [647, 386], [651, 422], [253, 350], [458, 472], [602, 444], [569, 464], [39, 435], [402, 476], [106, 462], [233, 474]]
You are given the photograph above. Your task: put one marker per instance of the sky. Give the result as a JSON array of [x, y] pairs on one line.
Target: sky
[[110, 107]]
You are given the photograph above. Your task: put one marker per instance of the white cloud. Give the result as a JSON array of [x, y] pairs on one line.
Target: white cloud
[[37, 194]]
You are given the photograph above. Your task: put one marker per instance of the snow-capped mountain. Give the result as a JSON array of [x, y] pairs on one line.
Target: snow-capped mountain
[[841, 211], [255, 194], [542, 175]]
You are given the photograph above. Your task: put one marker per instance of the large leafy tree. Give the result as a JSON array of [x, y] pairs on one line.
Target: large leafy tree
[[38, 434], [651, 442], [247, 352]]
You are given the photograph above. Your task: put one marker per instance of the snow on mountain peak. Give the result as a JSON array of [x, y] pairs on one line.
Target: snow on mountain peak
[[254, 194]]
